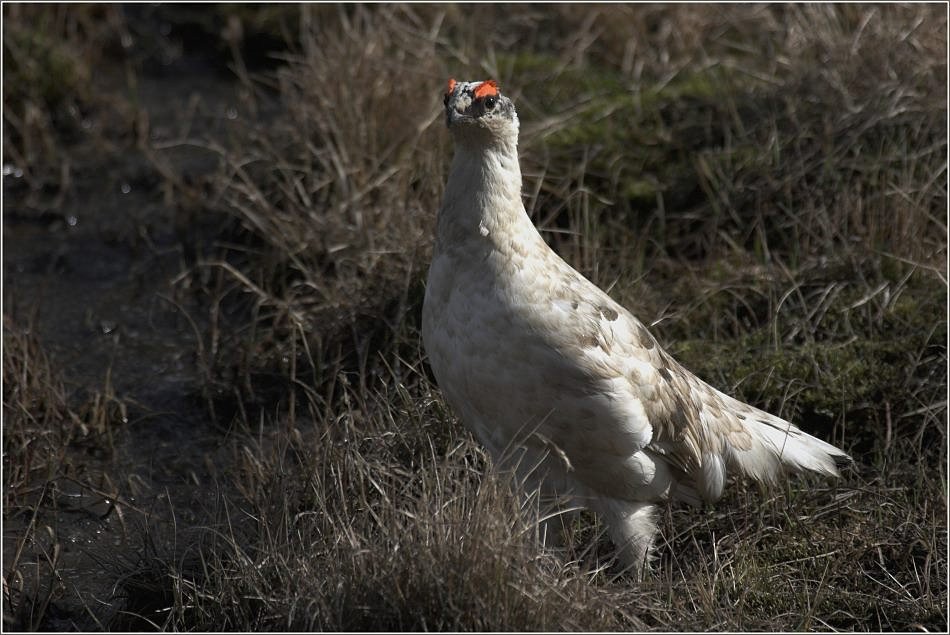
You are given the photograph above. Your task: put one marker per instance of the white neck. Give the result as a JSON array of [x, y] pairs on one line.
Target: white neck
[[483, 195]]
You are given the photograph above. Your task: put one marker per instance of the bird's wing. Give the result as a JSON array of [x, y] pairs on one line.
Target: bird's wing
[[681, 420], [660, 406]]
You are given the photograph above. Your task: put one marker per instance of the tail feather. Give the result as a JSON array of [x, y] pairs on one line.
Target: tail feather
[[779, 447], [797, 450], [782, 447], [743, 439]]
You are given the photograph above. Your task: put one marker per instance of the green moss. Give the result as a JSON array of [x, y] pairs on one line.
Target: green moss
[[569, 81], [637, 142], [829, 371], [42, 67], [827, 379], [640, 190]]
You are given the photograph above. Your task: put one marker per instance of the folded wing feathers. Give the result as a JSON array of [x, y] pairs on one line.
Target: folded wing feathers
[[707, 435]]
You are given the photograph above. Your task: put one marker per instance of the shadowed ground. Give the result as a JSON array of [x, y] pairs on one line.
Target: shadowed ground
[[216, 227]]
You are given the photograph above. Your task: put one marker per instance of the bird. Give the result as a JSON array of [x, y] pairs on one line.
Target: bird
[[542, 365]]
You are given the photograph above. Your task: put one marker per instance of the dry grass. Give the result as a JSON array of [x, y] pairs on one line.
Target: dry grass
[[379, 529], [35, 409], [46, 433], [766, 184]]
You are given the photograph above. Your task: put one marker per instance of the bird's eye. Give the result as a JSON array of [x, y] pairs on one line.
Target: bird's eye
[[490, 102]]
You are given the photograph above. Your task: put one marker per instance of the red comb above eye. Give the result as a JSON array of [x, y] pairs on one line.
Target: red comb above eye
[[451, 87], [487, 89]]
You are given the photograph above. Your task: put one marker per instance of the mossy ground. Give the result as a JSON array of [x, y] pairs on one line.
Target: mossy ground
[[765, 187]]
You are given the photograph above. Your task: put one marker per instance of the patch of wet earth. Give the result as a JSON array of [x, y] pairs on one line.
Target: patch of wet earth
[[99, 272]]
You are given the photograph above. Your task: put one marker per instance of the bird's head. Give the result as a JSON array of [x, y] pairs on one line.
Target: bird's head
[[478, 112]]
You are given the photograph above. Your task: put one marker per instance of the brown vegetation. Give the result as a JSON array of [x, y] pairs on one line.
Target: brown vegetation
[[765, 185]]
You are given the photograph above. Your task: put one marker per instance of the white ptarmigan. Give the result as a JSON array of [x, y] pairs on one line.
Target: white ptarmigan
[[544, 366]]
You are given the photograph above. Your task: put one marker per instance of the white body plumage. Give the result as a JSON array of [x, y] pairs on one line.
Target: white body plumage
[[546, 368]]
